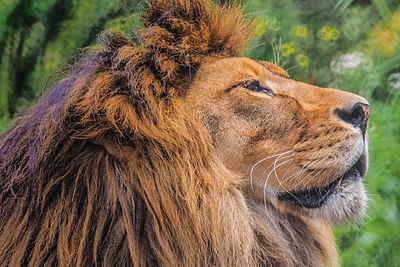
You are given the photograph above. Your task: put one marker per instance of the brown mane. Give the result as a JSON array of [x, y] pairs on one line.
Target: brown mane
[[108, 170]]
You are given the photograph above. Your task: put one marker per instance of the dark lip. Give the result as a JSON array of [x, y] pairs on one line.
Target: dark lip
[[362, 164], [316, 197]]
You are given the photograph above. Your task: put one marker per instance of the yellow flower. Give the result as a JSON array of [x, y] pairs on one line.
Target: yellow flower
[[385, 40], [300, 31], [288, 49], [272, 25], [302, 60], [328, 33], [385, 37], [395, 21], [260, 26]]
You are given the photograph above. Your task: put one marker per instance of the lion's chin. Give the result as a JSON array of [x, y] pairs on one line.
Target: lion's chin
[[346, 204], [341, 201]]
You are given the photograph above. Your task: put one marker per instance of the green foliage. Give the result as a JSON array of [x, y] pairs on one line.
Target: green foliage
[[346, 44], [356, 48], [36, 37]]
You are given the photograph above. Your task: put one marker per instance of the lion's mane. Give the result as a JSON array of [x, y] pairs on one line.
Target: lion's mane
[[108, 170]]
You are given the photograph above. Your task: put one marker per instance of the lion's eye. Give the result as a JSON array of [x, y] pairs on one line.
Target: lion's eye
[[255, 86]]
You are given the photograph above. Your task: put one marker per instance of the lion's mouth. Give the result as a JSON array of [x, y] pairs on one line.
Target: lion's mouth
[[316, 197]]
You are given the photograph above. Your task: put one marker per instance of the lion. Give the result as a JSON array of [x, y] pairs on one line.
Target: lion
[[172, 150]]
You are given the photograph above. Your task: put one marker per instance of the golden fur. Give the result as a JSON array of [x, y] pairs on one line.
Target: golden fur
[[160, 153]]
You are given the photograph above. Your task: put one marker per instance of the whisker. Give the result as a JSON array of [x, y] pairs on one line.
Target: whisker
[[305, 169], [312, 173], [288, 170], [276, 160], [269, 174], [264, 159], [299, 175]]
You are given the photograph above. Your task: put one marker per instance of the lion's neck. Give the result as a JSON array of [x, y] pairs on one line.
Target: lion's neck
[[288, 240]]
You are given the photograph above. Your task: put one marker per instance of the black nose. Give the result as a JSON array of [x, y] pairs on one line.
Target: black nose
[[357, 115]]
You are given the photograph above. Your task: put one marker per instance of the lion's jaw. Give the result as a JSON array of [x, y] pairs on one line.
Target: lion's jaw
[[290, 140]]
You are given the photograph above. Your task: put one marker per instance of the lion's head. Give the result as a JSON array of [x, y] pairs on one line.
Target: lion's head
[[173, 151], [300, 147]]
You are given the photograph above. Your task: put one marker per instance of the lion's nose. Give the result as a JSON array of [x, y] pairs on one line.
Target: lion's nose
[[357, 115]]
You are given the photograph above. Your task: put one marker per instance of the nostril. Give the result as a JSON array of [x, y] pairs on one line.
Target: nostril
[[357, 115]]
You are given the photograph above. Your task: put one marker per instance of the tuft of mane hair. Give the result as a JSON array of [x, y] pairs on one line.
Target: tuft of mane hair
[[106, 169]]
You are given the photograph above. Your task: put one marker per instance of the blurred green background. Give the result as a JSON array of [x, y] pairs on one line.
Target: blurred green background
[[351, 45]]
